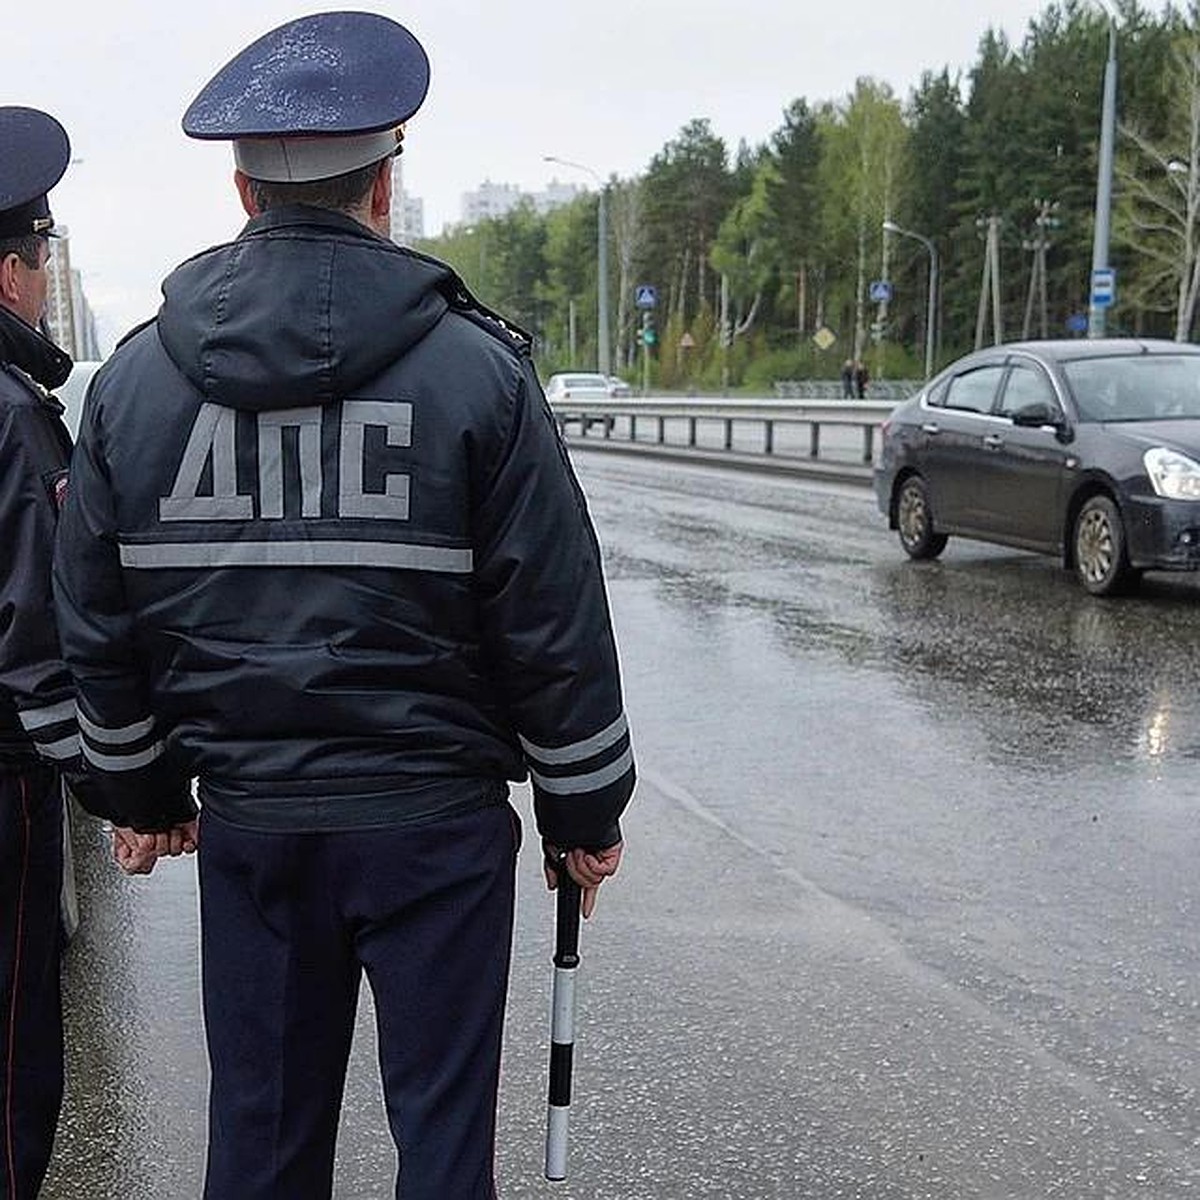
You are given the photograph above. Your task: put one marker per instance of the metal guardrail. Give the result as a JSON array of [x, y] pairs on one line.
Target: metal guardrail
[[831, 389], [820, 437]]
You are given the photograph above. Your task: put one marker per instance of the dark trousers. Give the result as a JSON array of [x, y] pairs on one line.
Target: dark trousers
[[31, 1037], [289, 923]]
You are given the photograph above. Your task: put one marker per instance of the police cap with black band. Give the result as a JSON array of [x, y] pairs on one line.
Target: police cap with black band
[[318, 97], [34, 152]]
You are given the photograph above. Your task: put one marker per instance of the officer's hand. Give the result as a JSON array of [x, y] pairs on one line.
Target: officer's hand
[[133, 852], [179, 839], [136, 853], [589, 869]]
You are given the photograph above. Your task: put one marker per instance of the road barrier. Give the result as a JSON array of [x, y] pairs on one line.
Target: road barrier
[[829, 438], [894, 390]]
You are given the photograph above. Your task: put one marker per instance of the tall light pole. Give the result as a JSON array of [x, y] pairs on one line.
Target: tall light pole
[[1186, 179], [603, 358], [1097, 313], [931, 305]]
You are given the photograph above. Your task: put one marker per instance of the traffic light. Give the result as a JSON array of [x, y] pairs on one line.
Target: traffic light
[[649, 334]]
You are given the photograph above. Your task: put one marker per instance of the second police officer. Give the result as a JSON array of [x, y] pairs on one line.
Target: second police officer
[[39, 741], [325, 551]]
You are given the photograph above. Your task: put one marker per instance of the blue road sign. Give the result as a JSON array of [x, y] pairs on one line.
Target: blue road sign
[[880, 291], [1104, 287], [645, 296], [1077, 323]]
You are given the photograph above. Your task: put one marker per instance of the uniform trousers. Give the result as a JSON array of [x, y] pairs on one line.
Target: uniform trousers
[[290, 921], [31, 1036]]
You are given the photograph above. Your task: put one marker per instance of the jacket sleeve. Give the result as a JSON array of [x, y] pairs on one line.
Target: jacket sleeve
[[548, 630], [32, 673], [135, 781]]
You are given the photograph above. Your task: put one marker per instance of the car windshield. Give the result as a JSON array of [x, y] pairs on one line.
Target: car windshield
[[1142, 387], [585, 381]]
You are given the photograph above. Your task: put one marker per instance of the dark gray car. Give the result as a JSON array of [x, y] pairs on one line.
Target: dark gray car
[[1089, 450]]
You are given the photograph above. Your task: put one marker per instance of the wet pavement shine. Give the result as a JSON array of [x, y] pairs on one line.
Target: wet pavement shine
[[908, 908]]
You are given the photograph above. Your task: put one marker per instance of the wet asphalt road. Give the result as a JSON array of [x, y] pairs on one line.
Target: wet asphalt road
[[908, 908]]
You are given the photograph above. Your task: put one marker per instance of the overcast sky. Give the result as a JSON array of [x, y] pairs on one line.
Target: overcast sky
[[604, 84]]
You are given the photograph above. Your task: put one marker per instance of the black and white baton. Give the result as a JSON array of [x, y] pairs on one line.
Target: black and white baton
[[562, 1022]]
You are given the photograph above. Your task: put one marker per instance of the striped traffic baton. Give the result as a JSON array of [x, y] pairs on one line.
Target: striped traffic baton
[[562, 1021]]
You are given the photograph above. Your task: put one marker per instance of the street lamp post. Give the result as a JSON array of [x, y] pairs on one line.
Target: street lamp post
[[604, 359], [931, 305], [1186, 179], [1097, 313]]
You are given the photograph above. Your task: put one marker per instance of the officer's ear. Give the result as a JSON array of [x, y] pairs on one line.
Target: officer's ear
[[10, 281], [245, 187], [381, 198]]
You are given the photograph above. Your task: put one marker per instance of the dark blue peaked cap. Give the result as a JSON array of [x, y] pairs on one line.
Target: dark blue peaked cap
[[34, 152], [319, 96]]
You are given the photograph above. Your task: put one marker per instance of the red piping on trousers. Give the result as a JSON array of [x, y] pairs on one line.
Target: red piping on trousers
[[12, 1007]]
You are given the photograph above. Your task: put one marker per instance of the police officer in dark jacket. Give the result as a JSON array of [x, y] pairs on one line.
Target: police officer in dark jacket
[[325, 550], [39, 738]]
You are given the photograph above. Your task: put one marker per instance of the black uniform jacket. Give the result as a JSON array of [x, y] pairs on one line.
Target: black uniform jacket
[[324, 548], [37, 700]]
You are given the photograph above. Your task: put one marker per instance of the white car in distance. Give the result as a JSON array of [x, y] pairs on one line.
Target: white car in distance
[[580, 385]]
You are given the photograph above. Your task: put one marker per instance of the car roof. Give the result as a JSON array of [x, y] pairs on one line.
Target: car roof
[[1064, 349]]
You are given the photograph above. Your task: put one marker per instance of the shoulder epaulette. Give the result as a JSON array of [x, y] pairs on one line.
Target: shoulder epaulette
[[493, 323], [462, 302]]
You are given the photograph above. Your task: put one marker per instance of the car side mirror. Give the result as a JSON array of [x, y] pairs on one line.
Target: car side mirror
[[1038, 413]]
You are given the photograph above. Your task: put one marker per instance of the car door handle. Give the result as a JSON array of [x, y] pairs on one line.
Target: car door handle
[[930, 427], [993, 441]]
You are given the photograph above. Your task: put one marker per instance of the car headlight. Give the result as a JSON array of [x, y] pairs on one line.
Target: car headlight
[[1173, 475]]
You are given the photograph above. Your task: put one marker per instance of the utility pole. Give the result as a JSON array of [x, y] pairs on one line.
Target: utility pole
[[646, 337], [990, 284], [890, 226], [1098, 312], [994, 246], [603, 354], [726, 334], [1043, 222], [879, 328]]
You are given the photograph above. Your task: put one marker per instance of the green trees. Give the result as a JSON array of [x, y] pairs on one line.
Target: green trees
[[794, 197], [1159, 211], [928, 204], [862, 156], [758, 259]]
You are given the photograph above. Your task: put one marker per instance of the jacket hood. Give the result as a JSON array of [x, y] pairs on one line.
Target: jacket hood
[[305, 306]]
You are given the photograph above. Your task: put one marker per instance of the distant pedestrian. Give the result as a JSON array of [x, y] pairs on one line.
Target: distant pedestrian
[[848, 379], [861, 378]]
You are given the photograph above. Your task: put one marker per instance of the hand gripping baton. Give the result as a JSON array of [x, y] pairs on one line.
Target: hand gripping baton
[[562, 1022]]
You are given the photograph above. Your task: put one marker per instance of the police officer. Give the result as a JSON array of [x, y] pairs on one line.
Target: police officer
[[324, 549], [38, 734]]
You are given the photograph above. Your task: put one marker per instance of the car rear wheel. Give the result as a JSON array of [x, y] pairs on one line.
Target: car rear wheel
[[1101, 557], [914, 520]]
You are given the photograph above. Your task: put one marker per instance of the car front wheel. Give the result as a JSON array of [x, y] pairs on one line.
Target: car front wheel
[[914, 520], [1101, 558]]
